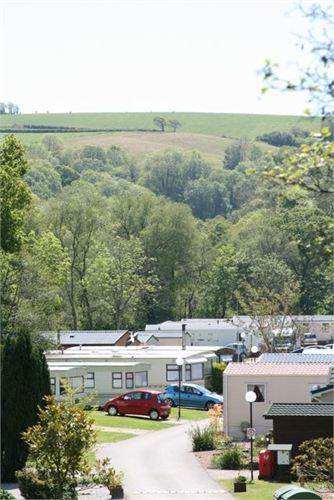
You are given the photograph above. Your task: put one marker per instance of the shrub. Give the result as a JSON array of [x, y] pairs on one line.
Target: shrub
[[217, 377], [32, 486], [240, 479], [58, 445], [107, 476], [6, 495], [315, 462], [230, 458], [203, 439]]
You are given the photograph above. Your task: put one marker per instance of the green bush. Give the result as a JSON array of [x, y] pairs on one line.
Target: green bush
[[217, 377], [315, 462], [202, 439], [231, 458], [6, 495], [31, 485]]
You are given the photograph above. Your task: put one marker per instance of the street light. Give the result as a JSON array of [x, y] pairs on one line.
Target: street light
[[254, 351], [241, 355], [251, 398], [179, 362]]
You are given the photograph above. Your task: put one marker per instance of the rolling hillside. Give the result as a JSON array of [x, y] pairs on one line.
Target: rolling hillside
[[218, 124]]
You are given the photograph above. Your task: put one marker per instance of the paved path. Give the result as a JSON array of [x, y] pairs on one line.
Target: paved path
[[160, 466]]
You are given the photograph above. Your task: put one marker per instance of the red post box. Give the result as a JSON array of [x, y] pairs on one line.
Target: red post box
[[266, 464]]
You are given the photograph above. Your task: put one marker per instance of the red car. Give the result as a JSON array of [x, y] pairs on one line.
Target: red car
[[140, 402]]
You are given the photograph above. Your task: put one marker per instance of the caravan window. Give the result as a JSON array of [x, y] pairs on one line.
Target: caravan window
[[77, 383], [259, 390], [90, 380], [53, 385], [117, 380], [129, 380], [141, 379], [172, 373]]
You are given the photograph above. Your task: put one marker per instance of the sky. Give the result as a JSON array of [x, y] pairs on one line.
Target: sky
[[161, 55]]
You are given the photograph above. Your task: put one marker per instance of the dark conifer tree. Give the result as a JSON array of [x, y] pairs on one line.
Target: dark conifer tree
[[25, 381]]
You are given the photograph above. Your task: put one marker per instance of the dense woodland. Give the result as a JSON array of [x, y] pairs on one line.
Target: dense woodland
[[95, 238]]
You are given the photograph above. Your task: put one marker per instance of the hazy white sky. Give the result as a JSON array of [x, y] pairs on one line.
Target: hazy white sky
[[160, 55]]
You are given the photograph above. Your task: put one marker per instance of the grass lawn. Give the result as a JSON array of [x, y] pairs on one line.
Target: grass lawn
[[258, 490], [103, 420], [112, 437], [187, 414]]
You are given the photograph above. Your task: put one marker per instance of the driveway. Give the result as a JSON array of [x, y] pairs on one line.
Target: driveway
[[160, 465]]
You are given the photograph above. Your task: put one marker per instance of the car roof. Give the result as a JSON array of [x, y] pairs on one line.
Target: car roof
[[141, 390]]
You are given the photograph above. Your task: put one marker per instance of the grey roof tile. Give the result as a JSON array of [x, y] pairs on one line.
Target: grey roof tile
[[296, 358], [300, 410]]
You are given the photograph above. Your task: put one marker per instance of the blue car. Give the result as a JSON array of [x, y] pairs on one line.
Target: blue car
[[191, 396]]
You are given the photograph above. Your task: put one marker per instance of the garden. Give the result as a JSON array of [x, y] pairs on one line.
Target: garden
[[229, 462]]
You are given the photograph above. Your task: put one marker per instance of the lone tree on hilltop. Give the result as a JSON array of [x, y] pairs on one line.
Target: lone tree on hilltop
[[160, 123], [174, 124]]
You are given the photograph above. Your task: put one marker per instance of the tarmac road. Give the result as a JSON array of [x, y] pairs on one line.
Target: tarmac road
[[160, 465]]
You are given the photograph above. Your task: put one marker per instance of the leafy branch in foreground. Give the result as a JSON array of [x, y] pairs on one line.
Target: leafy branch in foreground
[[311, 167]]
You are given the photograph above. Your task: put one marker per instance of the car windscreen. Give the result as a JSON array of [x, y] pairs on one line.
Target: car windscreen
[[161, 399]]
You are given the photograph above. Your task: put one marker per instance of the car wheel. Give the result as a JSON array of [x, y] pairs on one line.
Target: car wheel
[[112, 411], [169, 401], [154, 415], [209, 405]]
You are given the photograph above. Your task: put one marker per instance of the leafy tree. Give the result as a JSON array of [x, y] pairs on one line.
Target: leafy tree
[[67, 174], [217, 377], [309, 253], [116, 155], [160, 123], [164, 174], [43, 278], [171, 239], [75, 217], [315, 462], [116, 283], [311, 167], [131, 211], [43, 179], [15, 195], [239, 151], [206, 198], [94, 153], [52, 143], [174, 124], [168, 173], [25, 381], [221, 282], [58, 445], [279, 139], [269, 310]]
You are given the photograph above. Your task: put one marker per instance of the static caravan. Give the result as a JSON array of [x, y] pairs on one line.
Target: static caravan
[[203, 332], [272, 383], [109, 371]]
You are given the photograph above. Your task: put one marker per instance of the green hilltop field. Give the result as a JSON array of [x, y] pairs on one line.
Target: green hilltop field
[[218, 124]]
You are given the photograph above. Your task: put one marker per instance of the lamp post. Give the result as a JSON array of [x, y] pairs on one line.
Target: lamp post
[[254, 351], [241, 355], [251, 398], [179, 362]]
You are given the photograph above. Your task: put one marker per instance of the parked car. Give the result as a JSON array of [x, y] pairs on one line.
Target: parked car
[[310, 349], [191, 396], [310, 339], [143, 402], [238, 347]]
